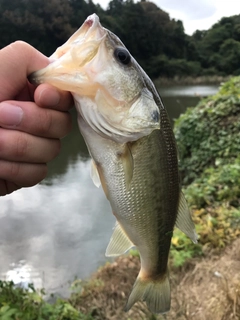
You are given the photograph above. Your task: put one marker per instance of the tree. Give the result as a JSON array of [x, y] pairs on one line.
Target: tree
[[230, 57]]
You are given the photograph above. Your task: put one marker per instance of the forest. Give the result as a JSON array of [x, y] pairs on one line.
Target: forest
[[157, 42]]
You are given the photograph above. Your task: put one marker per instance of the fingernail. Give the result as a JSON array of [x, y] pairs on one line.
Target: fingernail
[[50, 96], [10, 115]]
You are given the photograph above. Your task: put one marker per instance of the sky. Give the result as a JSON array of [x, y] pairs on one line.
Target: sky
[[195, 14]]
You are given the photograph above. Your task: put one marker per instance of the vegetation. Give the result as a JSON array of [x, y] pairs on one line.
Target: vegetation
[[208, 135], [208, 138], [28, 304], [168, 52]]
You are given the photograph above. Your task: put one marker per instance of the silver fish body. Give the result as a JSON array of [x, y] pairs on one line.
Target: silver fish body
[[131, 142]]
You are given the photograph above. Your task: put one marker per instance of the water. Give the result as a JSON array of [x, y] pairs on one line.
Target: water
[[179, 97], [59, 230]]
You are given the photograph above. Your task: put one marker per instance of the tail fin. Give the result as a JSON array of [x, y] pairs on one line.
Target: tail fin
[[156, 293]]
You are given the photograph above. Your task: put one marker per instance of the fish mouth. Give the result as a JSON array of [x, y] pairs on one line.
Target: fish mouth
[[66, 70]]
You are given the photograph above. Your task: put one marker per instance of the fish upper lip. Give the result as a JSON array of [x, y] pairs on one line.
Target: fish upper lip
[[91, 19]]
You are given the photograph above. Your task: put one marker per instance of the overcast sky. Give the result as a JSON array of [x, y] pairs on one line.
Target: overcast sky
[[195, 14]]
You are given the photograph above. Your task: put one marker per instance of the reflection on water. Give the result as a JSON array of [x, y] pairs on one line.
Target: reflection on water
[[61, 227], [178, 98], [188, 91], [23, 275]]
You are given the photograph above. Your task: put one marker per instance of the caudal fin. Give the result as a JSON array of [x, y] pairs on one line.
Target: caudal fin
[[156, 293]]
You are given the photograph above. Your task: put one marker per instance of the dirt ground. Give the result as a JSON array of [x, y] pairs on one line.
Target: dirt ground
[[205, 289]]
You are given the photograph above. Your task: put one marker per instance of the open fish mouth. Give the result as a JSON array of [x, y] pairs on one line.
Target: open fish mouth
[[67, 68]]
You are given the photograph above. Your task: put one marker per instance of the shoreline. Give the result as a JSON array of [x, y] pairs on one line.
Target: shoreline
[[200, 80]]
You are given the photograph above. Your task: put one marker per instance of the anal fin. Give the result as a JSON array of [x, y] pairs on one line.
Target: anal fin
[[184, 220], [119, 242]]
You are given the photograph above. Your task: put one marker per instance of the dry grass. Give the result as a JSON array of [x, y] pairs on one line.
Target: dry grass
[[206, 289], [211, 290]]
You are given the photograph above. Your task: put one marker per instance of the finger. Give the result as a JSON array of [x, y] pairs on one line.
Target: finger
[[7, 187], [25, 59], [47, 96], [20, 174], [23, 147], [28, 117]]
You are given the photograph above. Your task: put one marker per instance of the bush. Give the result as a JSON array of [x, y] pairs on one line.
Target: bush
[[208, 138], [28, 304], [209, 134]]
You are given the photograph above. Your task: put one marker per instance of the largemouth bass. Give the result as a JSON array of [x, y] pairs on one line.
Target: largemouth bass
[[133, 150]]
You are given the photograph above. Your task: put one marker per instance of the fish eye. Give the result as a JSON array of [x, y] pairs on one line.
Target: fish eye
[[122, 55]]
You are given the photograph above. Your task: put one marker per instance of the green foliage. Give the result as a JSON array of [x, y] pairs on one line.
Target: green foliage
[[183, 249], [166, 53], [216, 185], [28, 304], [216, 226], [218, 47], [134, 252], [172, 67], [208, 137]]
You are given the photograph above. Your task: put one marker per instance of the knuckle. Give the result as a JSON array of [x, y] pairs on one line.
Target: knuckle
[[20, 45], [21, 147], [45, 122], [14, 169]]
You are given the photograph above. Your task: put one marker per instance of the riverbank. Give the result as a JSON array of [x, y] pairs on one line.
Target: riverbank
[[177, 80], [204, 288]]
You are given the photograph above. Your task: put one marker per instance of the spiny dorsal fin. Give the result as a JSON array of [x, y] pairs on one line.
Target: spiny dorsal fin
[[184, 220], [119, 242], [94, 174]]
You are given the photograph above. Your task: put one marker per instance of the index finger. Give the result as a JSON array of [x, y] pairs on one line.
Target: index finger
[[18, 60]]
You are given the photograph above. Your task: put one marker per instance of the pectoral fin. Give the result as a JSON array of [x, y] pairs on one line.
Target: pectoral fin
[[184, 220], [128, 165], [94, 174], [119, 242]]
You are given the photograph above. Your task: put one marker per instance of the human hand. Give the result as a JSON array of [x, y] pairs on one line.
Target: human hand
[[32, 120]]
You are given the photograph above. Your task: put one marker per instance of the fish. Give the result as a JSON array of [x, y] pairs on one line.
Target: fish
[[134, 154]]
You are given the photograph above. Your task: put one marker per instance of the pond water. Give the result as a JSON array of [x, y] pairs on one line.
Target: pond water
[[59, 230]]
